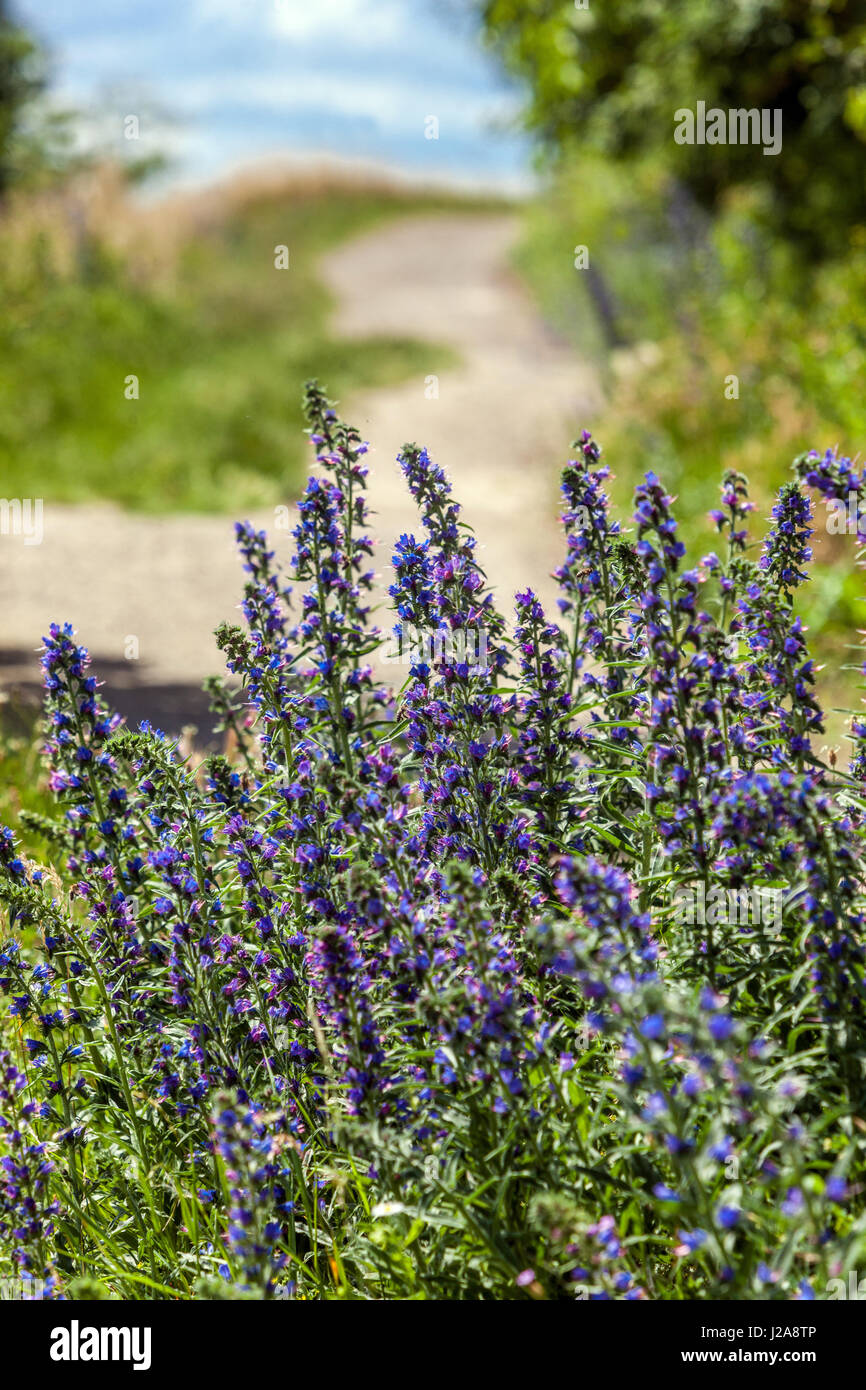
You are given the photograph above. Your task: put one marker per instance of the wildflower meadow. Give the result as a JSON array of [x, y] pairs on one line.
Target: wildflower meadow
[[460, 989]]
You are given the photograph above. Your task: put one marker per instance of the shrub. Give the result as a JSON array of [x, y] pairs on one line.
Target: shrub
[[469, 991]]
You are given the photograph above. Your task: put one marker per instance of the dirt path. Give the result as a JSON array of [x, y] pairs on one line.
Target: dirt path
[[499, 423]]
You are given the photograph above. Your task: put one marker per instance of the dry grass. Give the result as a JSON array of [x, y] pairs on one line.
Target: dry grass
[[148, 234]]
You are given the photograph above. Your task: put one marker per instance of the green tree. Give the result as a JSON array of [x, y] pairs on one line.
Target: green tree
[[21, 81], [613, 74]]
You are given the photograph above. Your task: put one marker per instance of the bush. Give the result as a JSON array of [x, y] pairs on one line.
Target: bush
[[542, 979], [614, 77], [729, 362]]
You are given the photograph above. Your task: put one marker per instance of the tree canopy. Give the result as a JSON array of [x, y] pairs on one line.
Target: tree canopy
[[613, 75], [21, 79]]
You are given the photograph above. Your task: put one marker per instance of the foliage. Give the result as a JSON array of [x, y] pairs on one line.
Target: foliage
[[20, 82], [37, 139], [24, 790], [401, 1001], [731, 305], [612, 76], [214, 352]]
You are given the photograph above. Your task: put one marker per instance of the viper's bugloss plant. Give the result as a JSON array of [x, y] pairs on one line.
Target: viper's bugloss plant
[[541, 976]]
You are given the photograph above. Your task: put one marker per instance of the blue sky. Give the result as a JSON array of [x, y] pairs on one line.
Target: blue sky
[[226, 82]]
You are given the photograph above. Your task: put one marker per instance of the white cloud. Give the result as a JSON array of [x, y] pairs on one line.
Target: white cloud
[[363, 23], [393, 104], [259, 74]]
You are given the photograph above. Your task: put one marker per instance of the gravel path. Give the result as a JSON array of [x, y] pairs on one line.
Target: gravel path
[[499, 423]]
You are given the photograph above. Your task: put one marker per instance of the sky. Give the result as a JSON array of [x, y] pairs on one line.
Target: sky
[[218, 84]]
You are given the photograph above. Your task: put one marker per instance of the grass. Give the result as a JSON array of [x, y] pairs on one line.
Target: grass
[[23, 779], [694, 312], [220, 359]]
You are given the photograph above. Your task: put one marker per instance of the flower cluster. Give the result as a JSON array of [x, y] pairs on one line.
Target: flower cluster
[[387, 998]]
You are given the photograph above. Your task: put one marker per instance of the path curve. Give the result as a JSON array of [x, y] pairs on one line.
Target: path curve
[[501, 421], [500, 426]]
